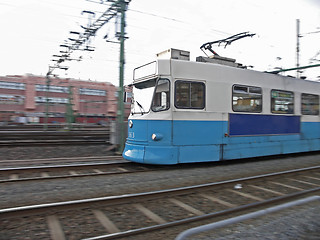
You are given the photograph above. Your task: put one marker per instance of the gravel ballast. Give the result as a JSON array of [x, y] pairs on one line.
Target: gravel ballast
[[28, 193], [14, 153], [300, 222], [306, 220]]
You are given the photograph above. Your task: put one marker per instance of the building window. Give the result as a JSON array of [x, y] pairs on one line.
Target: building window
[[51, 100], [282, 102], [11, 99], [94, 92], [12, 85], [189, 95], [309, 104], [246, 99], [57, 89]]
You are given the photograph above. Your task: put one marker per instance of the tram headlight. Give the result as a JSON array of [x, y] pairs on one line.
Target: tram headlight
[[156, 136], [130, 124]]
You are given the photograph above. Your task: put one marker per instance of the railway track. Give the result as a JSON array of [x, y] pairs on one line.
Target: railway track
[[43, 143], [45, 138], [124, 216], [63, 160], [52, 127], [41, 135], [114, 165]]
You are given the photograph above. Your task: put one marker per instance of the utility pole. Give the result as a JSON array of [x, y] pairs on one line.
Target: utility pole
[[117, 7], [47, 104], [51, 68], [69, 110], [298, 47], [122, 37]]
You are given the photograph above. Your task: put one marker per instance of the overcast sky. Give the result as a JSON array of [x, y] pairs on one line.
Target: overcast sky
[[32, 31]]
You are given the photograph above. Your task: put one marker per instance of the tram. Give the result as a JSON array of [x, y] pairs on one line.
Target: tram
[[215, 109]]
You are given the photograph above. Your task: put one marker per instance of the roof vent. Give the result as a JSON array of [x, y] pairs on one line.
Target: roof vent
[[174, 54]]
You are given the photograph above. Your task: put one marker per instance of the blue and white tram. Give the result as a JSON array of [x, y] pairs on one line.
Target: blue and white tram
[[214, 109]]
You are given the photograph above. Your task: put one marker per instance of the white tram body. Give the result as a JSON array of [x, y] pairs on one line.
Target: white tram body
[[185, 111]]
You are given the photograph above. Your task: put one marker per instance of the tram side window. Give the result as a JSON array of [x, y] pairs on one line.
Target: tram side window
[[282, 102], [246, 99], [309, 104], [189, 95], [161, 96]]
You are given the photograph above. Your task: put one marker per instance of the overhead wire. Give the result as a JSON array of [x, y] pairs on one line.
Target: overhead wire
[[178, 24], [173, 20]]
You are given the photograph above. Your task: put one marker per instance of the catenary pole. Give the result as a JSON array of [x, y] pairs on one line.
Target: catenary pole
[[298, 47], [120, 117], [45, 126], [116, 7]]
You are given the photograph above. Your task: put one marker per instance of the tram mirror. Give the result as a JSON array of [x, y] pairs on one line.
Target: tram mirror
[[127, 96]]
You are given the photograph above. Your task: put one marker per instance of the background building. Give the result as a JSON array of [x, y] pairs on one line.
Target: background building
[[24, 99]]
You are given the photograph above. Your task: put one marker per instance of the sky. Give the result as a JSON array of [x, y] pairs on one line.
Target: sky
[[33, 30]]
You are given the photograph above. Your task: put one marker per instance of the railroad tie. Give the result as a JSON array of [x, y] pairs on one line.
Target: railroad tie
[[55, 228], [73, 173], [14, 176], [97, 171], [148, 213], [314, 178], [186, 207], [122, 169], [267, 190], [106, 222], [304, 182], [217, 200], [44, 174], [246, 195], [287, 186]]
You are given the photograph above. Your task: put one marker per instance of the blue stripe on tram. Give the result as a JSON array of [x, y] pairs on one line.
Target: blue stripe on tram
[[251, 124]]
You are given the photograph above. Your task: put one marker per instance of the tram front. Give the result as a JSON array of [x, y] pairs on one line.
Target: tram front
[[150, 121]]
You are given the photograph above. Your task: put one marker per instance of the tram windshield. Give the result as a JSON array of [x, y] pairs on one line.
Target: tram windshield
[[151, 93], [142, 96]]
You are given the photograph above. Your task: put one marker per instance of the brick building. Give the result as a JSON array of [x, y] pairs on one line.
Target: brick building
[[24, 99]]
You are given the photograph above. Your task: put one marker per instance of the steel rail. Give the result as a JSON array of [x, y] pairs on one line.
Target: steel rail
[[65, 167], [62, 166], [237, 219], [29, 143], [121, 199], [52, 126], [45, 160], [205, 216], [5, 135]]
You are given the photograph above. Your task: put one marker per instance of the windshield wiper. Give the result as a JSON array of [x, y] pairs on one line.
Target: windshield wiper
[[142, 111], [141, 108]]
